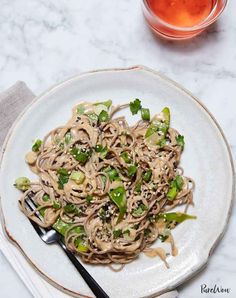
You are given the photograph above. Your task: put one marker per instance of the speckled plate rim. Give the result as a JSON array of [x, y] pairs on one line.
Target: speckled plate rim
[[203, 262]]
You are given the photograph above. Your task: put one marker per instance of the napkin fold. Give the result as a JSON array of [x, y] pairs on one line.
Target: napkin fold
[[12, 102]]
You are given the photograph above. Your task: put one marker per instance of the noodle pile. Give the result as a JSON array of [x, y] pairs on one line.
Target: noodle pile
[[106, 186]]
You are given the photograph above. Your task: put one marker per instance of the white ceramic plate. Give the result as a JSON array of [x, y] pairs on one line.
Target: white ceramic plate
[[206, 159]]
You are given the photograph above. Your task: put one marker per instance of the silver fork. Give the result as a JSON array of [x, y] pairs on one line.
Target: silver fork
[[51, 236]]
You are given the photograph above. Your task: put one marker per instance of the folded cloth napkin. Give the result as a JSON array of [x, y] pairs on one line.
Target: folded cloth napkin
[[15, 99]]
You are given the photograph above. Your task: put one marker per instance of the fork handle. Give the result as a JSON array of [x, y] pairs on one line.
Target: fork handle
[[93, 285]]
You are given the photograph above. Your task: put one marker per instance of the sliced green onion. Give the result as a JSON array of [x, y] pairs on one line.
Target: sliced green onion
[[22, 183], [135, 106], [61, 227], [103, 116], [81, 245], [81, 155], [78, 230], [80, 109], [145, 113], [68, 138], [107, 103], [126, 157], [132, 170], [93, 117], [70, 208], [175, 186], [147, 176], [176, 216], [140, 210], [158, 128], [137, 188], [56, 205], [98, 148], [112, 174], [102, 150], [77, 176], [46, 198], [42, 211], [62, 171], [118, 196], [151, 130], [37, 145], [162, 143], [179, 182], [172, 193]]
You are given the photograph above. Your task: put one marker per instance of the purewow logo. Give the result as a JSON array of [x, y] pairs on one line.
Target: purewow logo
[[214, 290]]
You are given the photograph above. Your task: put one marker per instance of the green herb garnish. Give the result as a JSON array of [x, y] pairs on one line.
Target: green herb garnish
[[180, 141], [81, 155], [70, 208], [117, 233], [126, 157], [147, 176], [103, 116], [89, 199], [137, 187], [37, 145], [175, 186], [140, 210], [162, 143], [63, 177], [102, 150], [135, 106], [132, 171], [158, 128], [56, 205], [112, 174], [98, 148]]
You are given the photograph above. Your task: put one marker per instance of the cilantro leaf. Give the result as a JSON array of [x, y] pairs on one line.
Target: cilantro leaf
[[135, 106]]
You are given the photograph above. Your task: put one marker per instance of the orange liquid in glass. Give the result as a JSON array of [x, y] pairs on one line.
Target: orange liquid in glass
[[182, 13]]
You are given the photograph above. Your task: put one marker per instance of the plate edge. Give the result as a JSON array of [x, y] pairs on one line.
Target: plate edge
[[203, 262]]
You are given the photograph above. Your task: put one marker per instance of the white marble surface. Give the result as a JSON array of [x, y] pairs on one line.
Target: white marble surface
[[45, 41]]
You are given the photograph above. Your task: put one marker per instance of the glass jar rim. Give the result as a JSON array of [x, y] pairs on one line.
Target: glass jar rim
[[202, 25]]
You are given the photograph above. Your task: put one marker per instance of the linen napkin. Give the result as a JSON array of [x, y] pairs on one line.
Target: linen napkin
[[15, 99]]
